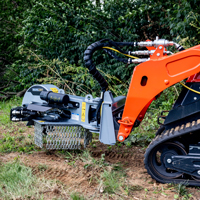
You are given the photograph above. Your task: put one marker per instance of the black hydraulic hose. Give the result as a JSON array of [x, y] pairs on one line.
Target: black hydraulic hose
[[129, 44], [91, 66], [98, 45], [116, 46]]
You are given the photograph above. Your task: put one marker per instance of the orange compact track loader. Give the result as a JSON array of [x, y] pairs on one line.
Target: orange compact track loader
[[65, 121]]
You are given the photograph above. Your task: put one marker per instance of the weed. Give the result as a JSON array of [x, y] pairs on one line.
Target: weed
[[119, 144], [109, 148], [42, 167], [87, 165], [76, 196], [139, 138], [117, 168], [130, 189], [21, 130], [86, 156], [72, 163], [68, 155], [94, 145], [112, 180], [181, 191]]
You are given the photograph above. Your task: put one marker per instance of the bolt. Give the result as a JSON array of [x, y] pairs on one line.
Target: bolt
[[169, 160], [195, 98], [158, 54], [121, 138], [160, 47], [166, 82], [198, 172]]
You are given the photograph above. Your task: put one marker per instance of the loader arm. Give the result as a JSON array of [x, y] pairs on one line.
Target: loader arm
[[151, 78]]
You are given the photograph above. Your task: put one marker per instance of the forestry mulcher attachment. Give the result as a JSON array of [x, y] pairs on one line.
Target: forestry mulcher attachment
[[66, 121]]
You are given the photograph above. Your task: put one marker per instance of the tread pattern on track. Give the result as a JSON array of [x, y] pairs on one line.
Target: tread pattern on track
[[166, 136]]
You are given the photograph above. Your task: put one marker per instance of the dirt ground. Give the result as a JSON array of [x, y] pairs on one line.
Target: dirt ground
[[77, 178]]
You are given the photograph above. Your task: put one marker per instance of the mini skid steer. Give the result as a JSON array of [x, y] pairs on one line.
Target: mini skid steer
[[66, 121]]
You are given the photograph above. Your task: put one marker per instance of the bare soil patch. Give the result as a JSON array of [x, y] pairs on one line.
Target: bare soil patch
[[76, 177]]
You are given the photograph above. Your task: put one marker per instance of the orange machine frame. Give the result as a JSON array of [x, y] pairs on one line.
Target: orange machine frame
[[159, 73]]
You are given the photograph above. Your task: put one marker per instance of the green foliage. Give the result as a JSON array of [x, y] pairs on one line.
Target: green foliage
[[62, 31], [10, 25]]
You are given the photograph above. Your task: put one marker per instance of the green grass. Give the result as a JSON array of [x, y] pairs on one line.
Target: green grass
[[42, 167], [76, 196], [17, 142], [112, 180], [17, 180], [13, 136], [181, 191], [5, 108]]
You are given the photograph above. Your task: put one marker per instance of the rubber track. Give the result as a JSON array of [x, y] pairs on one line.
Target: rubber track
[[166, 136]]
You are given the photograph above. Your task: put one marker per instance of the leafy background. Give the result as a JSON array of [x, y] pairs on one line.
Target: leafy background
[[43, 41]]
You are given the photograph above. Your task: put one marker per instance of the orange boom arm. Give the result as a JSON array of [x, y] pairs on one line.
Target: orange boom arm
[[151, 78]]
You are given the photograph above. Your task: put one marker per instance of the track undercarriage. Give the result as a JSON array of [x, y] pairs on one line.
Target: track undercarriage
[[170, 157]]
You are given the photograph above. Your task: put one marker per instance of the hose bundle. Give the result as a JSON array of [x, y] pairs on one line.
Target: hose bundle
[[99, 45]]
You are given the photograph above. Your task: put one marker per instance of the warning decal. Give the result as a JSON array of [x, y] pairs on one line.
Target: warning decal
[[83, 112], [54, 90]]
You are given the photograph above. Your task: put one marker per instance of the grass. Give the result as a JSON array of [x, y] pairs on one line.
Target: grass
[[5, 107], [17, 180], [16, 141], [13, 135], [111, 181], [181, 191], [76, 196], [42, 167]]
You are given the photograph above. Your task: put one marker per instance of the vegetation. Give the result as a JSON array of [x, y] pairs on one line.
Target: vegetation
[[110, 179], [76, 196], [44, 41], [18, 182], [14, 137]]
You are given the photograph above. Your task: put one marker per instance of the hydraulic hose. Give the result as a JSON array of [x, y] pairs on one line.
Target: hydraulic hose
[[99, 45], [91, 66]]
